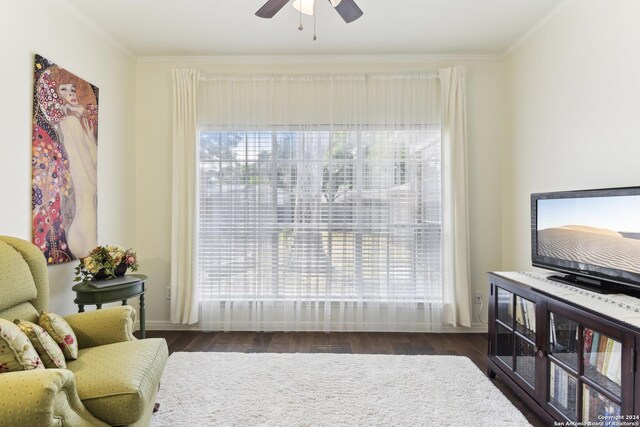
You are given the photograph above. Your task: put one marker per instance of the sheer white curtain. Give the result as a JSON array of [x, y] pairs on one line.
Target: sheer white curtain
[[321, 202], [457, 296], [184, 213]]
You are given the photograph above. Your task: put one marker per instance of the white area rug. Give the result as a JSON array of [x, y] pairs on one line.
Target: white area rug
[[275, 389]]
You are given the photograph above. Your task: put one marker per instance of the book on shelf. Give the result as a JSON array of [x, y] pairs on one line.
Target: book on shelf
[[530, 310], [566, 335], [586, 405], [588, 341], [601, 347], [553, 382], [614, 366], [608, 351], [604, 356], [553, 338], [593, 357], [572, 392], [519, 314], [573, 336], [563, 388], [526, 314], [589, 405]]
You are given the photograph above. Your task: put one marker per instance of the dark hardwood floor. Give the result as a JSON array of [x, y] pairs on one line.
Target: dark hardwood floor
[[474, 346]]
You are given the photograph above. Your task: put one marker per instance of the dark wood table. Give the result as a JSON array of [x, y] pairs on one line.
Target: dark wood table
[[99, 292]]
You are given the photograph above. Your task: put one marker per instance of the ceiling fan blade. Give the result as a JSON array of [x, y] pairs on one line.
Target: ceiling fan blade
[[270, 8], [349, 10]]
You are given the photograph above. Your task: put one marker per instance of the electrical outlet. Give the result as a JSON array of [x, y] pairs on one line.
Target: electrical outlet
[[168, 292], [478, 299]]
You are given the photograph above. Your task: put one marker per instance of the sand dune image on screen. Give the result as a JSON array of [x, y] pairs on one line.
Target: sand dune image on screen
[[591, 245]]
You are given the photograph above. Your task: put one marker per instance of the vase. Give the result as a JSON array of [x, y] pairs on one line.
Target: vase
[[120, 270]]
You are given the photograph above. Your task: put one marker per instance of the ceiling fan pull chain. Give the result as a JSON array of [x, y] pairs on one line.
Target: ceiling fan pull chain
[[300, 27], [314, 22]]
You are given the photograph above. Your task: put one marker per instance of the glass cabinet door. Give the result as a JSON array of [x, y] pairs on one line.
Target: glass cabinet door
[[584, 371], [525, 317], [515, 334], [564, 353], [602, 361]]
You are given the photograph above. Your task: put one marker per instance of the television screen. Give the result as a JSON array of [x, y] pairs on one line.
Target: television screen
[[588, 233]]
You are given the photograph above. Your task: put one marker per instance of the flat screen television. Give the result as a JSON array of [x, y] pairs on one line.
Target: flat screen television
[[592, 236]]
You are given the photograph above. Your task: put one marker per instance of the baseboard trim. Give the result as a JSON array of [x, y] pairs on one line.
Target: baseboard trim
[[475, 328], [163, 325]]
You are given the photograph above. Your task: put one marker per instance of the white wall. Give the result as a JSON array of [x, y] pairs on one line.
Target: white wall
[[486, 130], [54, 30], [574, 111], [560, 112]]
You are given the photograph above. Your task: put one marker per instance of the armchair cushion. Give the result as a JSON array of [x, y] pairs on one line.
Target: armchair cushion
[[24, 311], [61, 333], [116, 382], [16, 351], [42, 397], [16, 280], [106, 326], [45, 346]]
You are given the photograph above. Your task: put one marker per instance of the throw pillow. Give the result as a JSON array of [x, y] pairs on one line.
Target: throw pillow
[[46, 347], [16, 351], [61, 333]]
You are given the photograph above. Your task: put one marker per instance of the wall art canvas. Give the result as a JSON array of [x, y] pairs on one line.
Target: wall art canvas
[[64, 163]]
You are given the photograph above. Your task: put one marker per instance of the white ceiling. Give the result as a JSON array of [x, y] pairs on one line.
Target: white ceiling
[[229, 27]]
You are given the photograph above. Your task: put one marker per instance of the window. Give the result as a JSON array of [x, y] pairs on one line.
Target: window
[[325, 201], [320, 214]]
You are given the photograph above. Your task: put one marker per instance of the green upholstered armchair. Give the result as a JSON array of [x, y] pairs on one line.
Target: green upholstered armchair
[[115, 379]]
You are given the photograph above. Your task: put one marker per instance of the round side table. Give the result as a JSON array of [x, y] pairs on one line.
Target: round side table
[[99, 292]]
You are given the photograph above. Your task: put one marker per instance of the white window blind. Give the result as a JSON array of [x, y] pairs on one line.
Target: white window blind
[[339, 215]]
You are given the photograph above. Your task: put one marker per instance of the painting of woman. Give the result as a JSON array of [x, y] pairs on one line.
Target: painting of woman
[[64, 163]]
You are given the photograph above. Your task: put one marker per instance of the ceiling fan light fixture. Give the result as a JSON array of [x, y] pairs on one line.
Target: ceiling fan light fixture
[[305, 6], [347, 9]]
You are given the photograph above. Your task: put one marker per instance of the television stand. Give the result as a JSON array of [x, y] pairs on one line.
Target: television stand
[[549, 344], [593, 285]]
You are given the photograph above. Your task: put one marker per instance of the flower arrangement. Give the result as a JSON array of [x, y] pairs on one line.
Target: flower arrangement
[[104, 260]]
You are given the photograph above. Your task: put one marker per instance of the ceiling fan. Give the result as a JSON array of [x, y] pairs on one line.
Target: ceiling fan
[[348, 9]]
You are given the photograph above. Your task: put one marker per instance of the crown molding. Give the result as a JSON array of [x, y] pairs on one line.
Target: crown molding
[[535, 28], [96, 27], [315, 59]]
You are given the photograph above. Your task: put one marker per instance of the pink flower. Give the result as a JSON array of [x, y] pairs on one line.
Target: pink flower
[[131, 259], [68, 339]]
